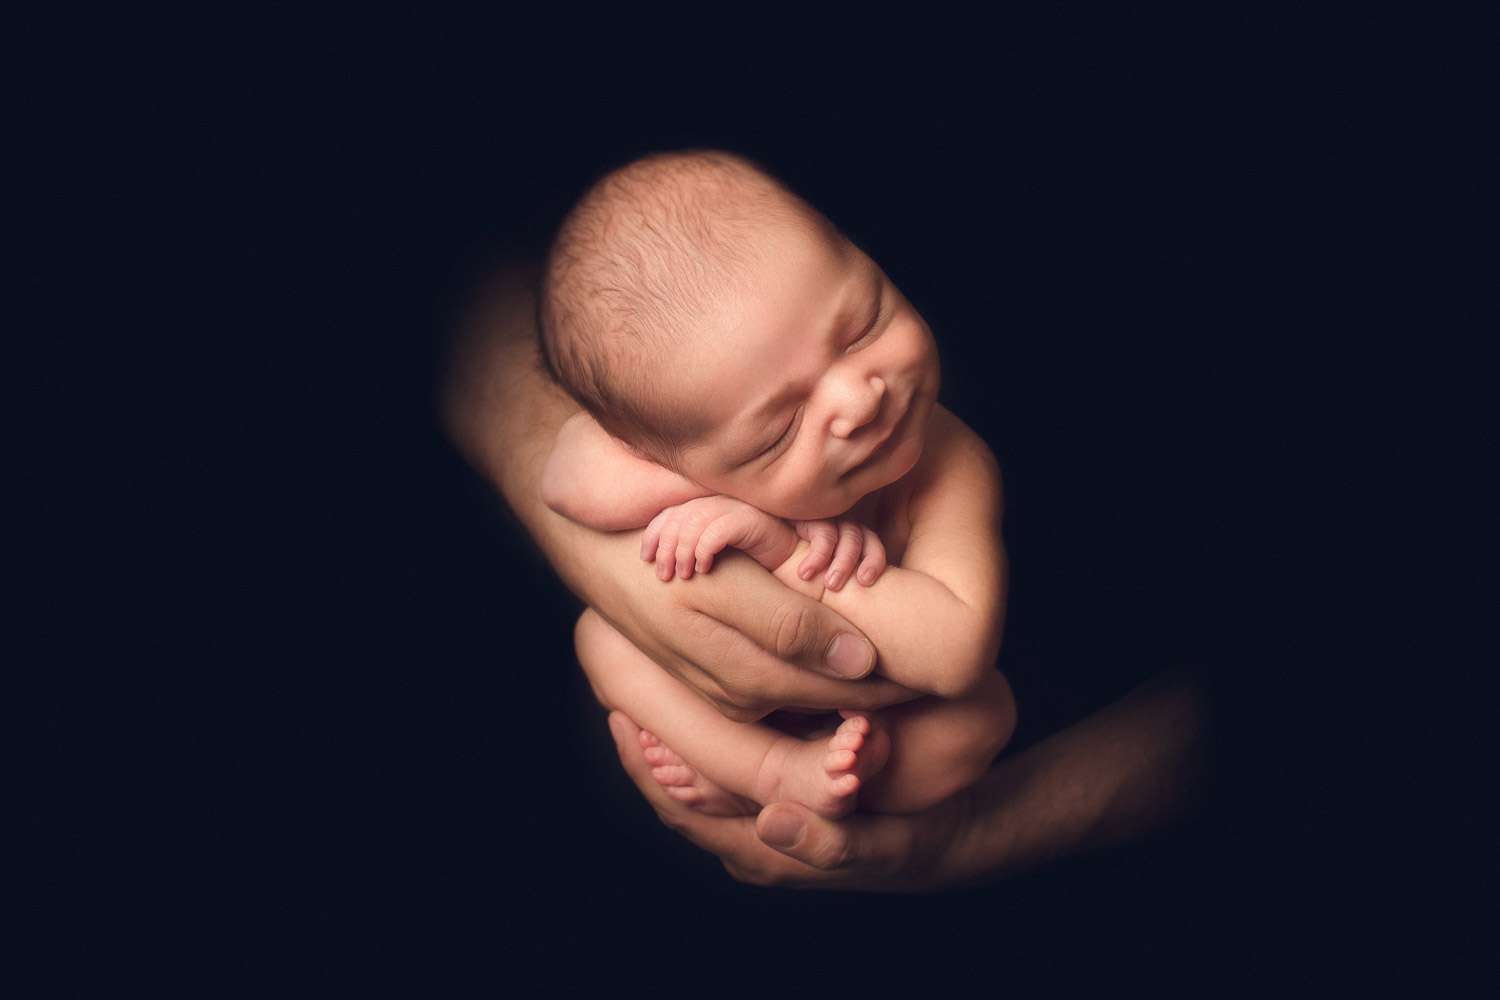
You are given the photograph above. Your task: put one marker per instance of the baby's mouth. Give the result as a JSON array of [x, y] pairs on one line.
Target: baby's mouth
[[891, 435]]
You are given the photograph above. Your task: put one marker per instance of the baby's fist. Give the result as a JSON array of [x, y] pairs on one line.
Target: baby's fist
[[841, 545], [685, 538]]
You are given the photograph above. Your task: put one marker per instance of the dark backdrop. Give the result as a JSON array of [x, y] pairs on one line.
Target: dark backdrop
[[380, 754]]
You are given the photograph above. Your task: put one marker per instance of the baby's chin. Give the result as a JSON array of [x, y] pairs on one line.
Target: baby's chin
[[819, 510], [803, 509]]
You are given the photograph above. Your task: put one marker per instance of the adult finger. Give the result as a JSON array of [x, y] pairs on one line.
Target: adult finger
[[867, 850], [732, 839], [789, 626], [755, 680]]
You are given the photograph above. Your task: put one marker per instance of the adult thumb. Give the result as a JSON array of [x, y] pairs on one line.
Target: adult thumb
[[800, 833]]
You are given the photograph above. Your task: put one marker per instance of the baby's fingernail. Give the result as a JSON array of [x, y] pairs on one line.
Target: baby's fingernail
[[806, 573], [834, 579], [866, 576], [849, 655]]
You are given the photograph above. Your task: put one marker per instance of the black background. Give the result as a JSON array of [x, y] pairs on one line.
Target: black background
[[364, 748]]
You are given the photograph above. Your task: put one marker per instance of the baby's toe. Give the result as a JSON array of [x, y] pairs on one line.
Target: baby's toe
[[839, 760], [669, 756], [845, 740], [673, 774], [855, 724], [686, 794]]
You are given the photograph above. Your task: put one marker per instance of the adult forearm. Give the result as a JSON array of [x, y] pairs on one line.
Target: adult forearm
[[503, 411], [1119, 774], [928, 639]]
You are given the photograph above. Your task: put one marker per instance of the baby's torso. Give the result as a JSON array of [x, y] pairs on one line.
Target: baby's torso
[[885, 511]]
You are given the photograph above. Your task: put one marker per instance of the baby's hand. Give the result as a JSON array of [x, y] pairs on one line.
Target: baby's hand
[[685, 538], [841, 542]]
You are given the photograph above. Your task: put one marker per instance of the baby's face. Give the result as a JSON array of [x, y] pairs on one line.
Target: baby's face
[[818, 388]]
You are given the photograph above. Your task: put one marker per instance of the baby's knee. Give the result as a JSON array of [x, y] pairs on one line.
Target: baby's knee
[[592, 639], [970, 747], [1000, 703], [588, 632]]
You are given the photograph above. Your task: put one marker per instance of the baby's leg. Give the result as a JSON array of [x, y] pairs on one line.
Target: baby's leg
[[688, 786], [939, 747], [745, 759]]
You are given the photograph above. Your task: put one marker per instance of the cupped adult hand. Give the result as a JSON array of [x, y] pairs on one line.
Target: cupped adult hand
[[1131, 768], [740, 636], [743, 638], [860, 852]]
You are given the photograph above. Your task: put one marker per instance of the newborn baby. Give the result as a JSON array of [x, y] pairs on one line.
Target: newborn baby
[[752, 380]]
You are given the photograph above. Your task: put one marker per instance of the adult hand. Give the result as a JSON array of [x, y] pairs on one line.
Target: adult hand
[[1131, 768], [746, 640], [739, 636], [892, 853]]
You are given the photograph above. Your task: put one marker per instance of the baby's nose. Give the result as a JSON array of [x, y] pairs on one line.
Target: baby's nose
[[862, 410]]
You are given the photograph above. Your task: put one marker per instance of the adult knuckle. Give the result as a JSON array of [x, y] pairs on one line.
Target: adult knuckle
[[740, 713], [755, 873], [793, 628], [830, 854], [749, 875], [741, 704]]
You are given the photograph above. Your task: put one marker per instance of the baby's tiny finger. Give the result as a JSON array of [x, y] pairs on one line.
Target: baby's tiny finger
[[846, 556], [874, 562], [705, 552], [665, 554], [822, 536], [652, 536]]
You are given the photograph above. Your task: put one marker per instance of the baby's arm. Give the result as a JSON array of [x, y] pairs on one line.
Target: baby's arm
[[594, 479], [936, 619]]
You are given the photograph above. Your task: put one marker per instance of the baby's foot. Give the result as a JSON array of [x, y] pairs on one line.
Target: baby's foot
[[679, 780], [825, 774]]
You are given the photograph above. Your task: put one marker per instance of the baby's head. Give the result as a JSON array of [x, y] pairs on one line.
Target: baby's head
[[719, 325]]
